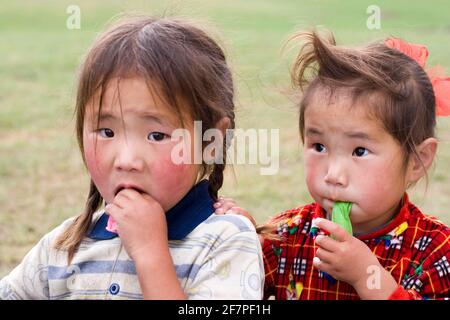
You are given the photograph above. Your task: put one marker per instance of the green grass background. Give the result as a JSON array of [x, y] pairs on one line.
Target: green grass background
[[42, 179]]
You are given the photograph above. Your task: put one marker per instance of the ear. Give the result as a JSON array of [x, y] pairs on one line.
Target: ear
[[223, 124], [421, 162], [215, 149]]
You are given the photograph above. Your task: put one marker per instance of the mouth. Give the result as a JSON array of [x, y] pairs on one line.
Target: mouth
[[332, 202], [127, 186]]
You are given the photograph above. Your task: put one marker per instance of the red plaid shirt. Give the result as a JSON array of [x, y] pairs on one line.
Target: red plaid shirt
[[414, 247]]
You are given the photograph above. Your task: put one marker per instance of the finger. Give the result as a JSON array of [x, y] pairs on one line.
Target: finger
[[324, 255], [228, 205], [317, 262], [327, 243], [223, 200], [219, 211], [126, 196], [113, 210], [121, 200], [339, 233], [223, 205], [148, 197], [322, 266], [129, 193]]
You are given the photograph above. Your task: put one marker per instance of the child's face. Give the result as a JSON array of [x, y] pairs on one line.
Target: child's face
[[132, 146], [350, 157]]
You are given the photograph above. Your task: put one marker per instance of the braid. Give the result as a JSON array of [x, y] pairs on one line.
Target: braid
[[71, 238], [216, 176], [216, 180]]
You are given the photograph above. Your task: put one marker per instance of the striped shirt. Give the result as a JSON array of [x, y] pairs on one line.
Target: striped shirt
[[217, 258]]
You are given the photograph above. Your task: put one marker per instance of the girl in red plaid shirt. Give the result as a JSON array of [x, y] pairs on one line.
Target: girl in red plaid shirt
[[367, 121]]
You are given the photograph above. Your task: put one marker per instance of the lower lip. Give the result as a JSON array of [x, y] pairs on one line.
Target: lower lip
[[330, 203], [130, 189]]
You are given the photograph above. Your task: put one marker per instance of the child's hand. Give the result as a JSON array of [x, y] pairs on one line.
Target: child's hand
[[228, 205], [142, 227], [349, 259], [141, 222], [346, 258]]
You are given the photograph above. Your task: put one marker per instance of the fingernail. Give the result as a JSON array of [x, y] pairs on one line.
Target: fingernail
[[219, 211], [319, 238], [318, 221]]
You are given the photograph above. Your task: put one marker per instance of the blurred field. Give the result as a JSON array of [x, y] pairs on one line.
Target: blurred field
[[42, 179]]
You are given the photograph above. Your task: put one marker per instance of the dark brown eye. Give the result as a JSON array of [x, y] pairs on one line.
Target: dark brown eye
[[360, 152], [106, 133], [319, 147], [156, 136]]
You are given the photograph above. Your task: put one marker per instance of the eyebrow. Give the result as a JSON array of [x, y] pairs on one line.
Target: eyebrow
[[313, 132], [351, 134], [146, 115], [358, 135]]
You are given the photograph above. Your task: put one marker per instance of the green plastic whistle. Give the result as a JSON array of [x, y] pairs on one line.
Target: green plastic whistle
[[341, 215]]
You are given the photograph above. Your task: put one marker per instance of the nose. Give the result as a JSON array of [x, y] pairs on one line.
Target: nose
[[336, 174], [128, 157]]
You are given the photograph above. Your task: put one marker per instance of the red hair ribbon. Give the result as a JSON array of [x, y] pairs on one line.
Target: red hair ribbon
[[440, 82]]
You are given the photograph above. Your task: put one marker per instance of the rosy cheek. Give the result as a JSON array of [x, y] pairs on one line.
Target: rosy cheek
[[172, 171], [93, 164], [377, 177], [311, 172], [171, 182], [375, 190]]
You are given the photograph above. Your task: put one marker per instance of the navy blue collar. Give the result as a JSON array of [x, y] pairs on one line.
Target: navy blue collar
[[185, 216]]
